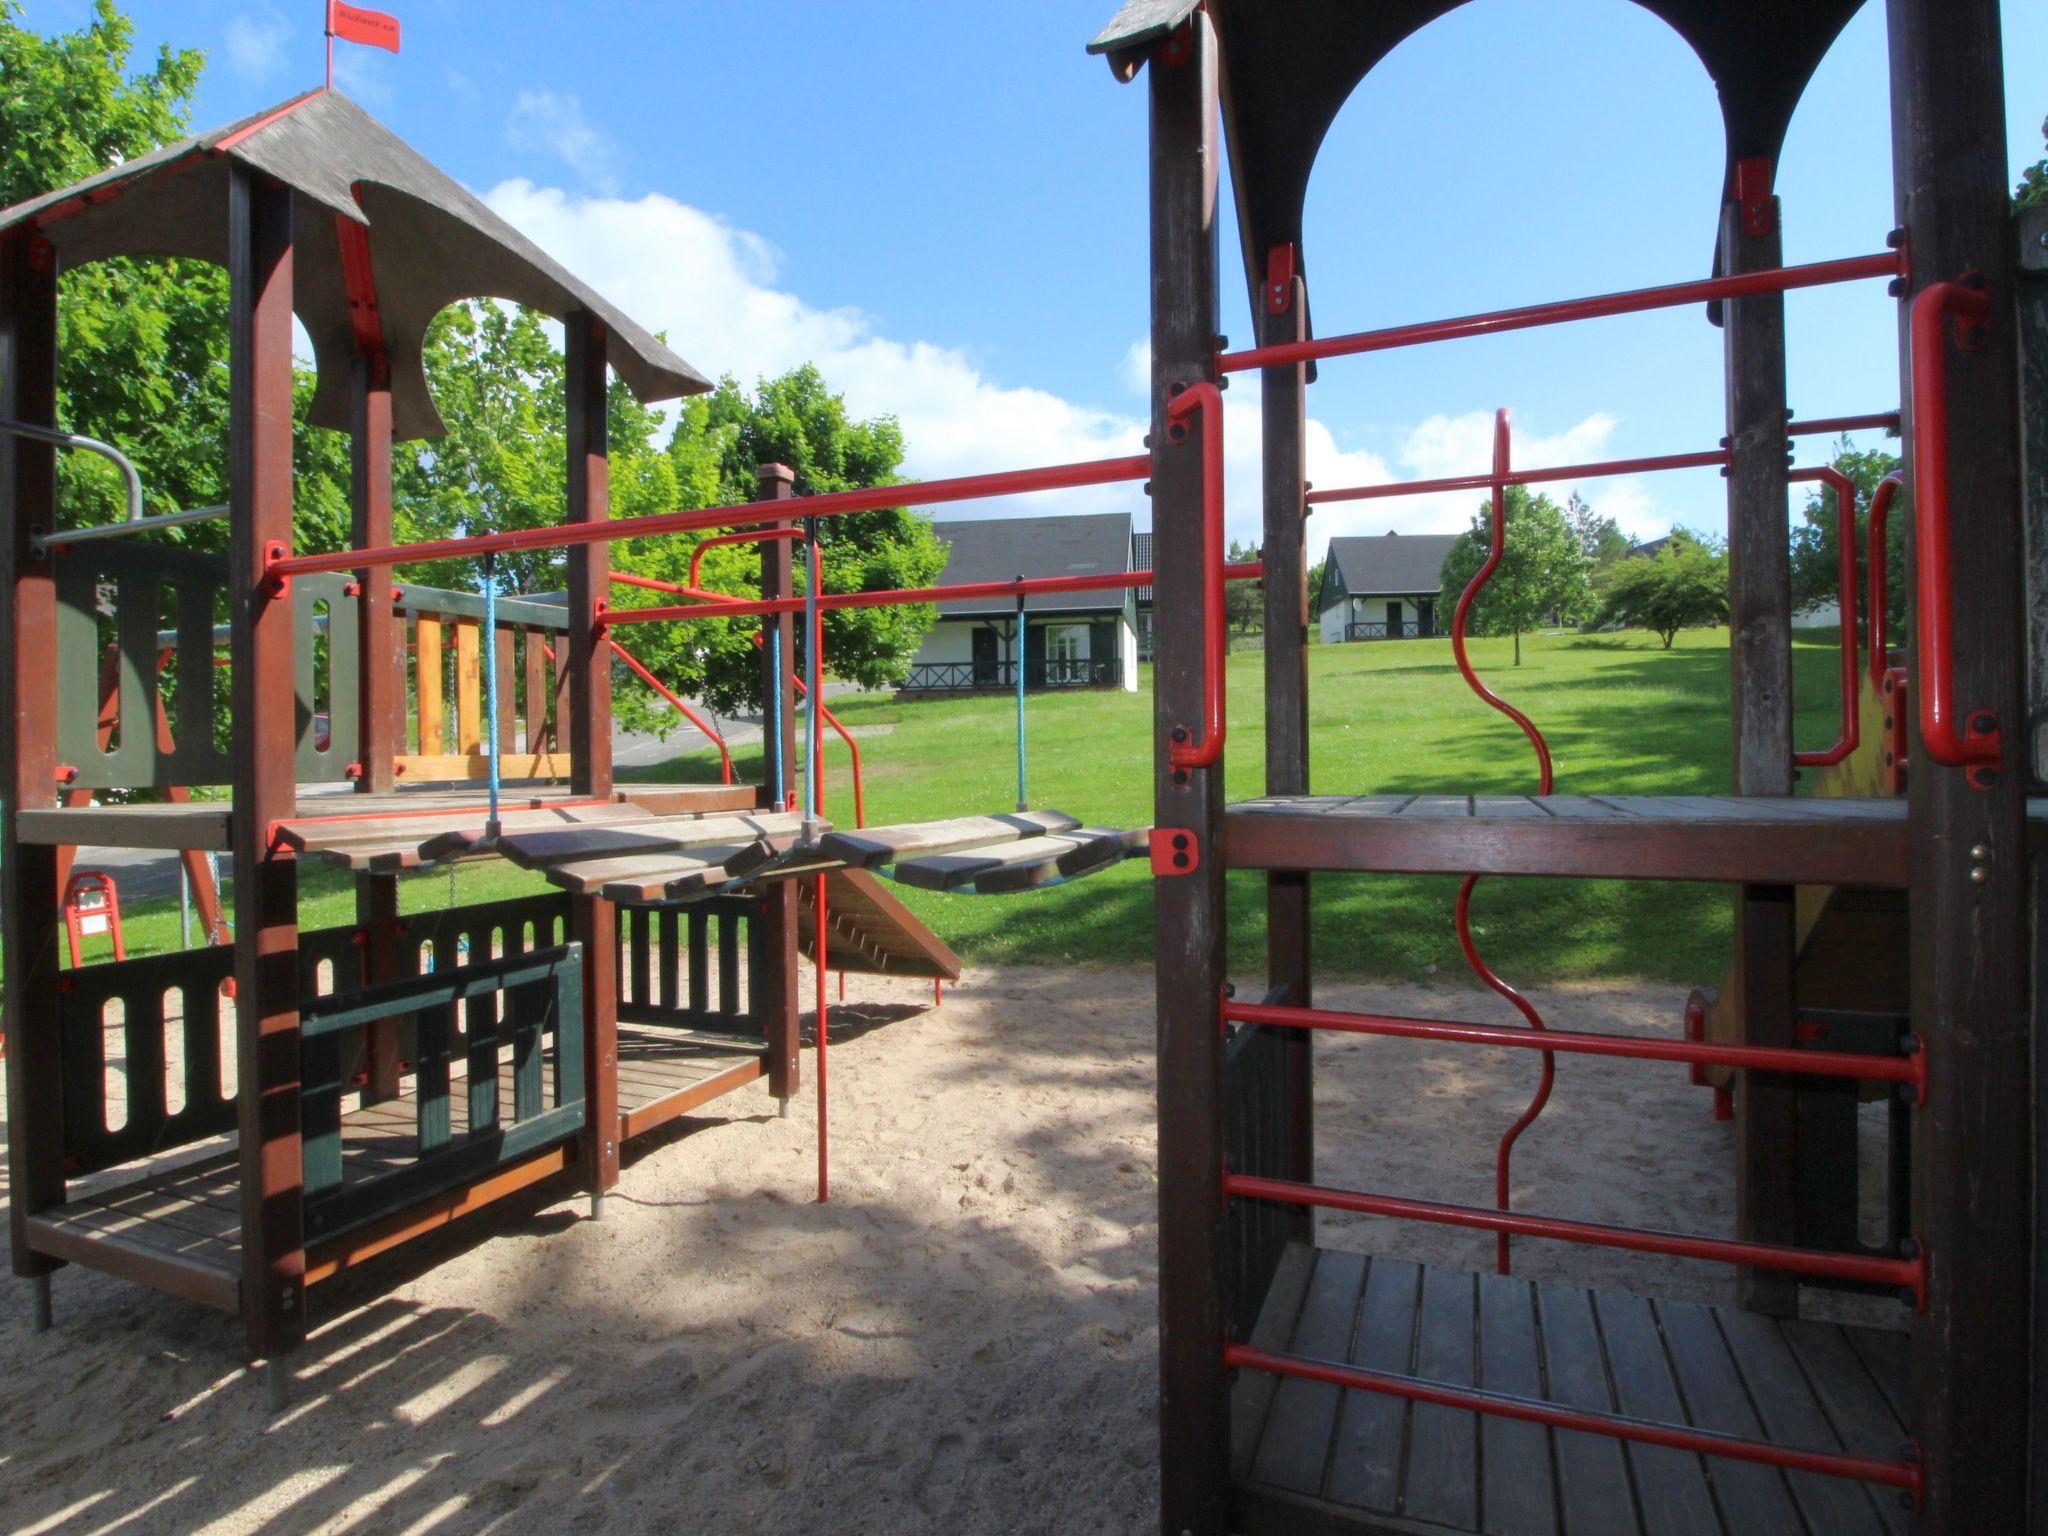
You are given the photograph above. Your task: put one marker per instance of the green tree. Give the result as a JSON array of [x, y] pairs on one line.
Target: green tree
[[1542, 576], [1600, 537], [1816, 542], [1684, 584], [1244, 601], [2032, 191]]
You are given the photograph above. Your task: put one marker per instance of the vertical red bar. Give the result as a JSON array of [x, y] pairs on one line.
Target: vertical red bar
[[822, 971], [28, 747], [264, 693]]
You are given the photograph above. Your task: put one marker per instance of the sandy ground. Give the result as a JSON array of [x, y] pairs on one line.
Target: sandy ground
[[962, 1341]]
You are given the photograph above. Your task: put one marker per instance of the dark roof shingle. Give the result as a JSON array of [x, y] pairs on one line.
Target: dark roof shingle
[[1004, 548]]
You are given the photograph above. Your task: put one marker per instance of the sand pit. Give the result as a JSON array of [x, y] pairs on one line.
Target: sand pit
[[963, 1341]]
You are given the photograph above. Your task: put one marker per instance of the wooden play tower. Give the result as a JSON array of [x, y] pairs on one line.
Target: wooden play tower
[[1305, 1389]]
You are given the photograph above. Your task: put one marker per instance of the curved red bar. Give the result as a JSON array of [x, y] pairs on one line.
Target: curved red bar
[[1208, 399], [745, 536], [1851, 733], [689, 714], [1950, 741]]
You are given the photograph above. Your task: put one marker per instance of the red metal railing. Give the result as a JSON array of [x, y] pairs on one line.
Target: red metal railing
[[1705, 1442], [1015, 482], [1831, 426], [745, 536], [1635, 301], [1851, 731], [1974, 740], [1880, 623], [1712, 458], [676, 701], [1185, 752]]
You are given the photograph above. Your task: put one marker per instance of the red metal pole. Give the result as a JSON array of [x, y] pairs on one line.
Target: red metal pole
[[1636, 301], [824, 1009], [1907, 1274], [656, 584], [1831, 426], [689, 714], [1186, 753], [1977, 740], [1708, 459], [1851, 733], [744, 536], [1023, 587], [1706, 1442], [1016, 482], [1692, 1050]]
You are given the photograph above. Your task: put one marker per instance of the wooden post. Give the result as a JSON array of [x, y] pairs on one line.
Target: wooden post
[[1972, 1142], [508, 704], [380, 669], [265, 788], [1281, 313], [430, 683], [2031, 226], [590, 736], [29, 889], [777, 482], [1760, 659], [1194, 1397], [537, 689], [469, 720]]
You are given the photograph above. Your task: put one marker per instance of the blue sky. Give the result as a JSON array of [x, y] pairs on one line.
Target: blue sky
[[943, 205]]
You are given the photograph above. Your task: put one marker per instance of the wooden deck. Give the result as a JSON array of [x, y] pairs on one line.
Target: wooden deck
[[1315, 1458], [180, 1230]]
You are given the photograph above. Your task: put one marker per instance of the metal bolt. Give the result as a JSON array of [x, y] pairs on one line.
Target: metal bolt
[[1979, 875], [1983, 722], [1980, 851]]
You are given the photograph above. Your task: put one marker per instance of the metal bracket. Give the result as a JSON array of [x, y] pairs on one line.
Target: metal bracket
[[274, 551], [1280, 270], [1753, 194], [1175, 851]]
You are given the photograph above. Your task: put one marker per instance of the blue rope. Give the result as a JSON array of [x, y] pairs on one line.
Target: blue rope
[[490, 638], [771, 742]]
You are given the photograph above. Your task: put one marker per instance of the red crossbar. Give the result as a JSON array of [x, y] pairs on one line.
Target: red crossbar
[[1851, 732], [1700, 1053], [1706, 1442], [1712, 458], [1830, 426], [1907, 1274], [1635, 301], [1015, 482], [741, 608], [676, 702]]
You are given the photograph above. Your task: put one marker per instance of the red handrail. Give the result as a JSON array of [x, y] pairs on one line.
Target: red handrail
[[1635, 301], [852, 746], [1831, 426], [1711, 458], [689, 714], [657, 584], [1880, 638], [1014, 482], [1705, 1442], [1851, 732], [1874, 1269], [744, 536], [1185, 753], [1975, 740]]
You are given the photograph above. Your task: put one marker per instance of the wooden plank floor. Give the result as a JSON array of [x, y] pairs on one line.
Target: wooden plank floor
[[1319, 1458], [180, 1229]]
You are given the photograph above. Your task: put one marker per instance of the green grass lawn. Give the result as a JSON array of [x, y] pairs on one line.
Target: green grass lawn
[[1622, 717]]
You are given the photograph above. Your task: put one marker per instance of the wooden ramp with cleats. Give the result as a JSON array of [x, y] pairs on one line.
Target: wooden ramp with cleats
[[871, 932]]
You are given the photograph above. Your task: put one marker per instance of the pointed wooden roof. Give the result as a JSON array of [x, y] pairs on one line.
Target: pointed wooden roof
[[431, 243]]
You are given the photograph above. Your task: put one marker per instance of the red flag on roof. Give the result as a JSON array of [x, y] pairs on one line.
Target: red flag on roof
[[354, 24]]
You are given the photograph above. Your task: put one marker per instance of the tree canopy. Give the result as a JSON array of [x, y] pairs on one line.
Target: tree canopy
[[1816, 542], [1542, 576], [1684, 584], [2032, 192]]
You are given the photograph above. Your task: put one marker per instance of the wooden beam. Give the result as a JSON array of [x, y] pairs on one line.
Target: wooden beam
[[594, 919], [1972, 1143], [469, 677], [430, 684], [380, 655], [1194, 1391], [29, 889], [265, 791], [1760, 660], [1282, 316], [781, 999]]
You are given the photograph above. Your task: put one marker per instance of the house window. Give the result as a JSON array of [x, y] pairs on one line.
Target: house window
[[1066, 652]]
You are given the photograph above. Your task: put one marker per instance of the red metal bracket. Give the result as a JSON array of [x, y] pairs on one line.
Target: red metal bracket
[[273, 552], [601, 624], [1753, 194], [1175, 851], [1280, 270]]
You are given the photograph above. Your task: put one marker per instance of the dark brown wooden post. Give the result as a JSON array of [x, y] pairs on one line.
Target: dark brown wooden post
[[1280, 308], [1760, 654], [380, 688], [1194, 1400], [1970, 931], [28, 748], [2031, 226], [590, 739], [265, 788], [780, 991]]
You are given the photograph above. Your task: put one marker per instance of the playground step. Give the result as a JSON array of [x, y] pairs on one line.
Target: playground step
[[872, 933], [1780, 840], [1021, 865], [879, 845]]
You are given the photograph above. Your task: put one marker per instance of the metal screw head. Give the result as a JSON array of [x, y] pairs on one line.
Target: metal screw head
[[1980, 851], [1979, 875]]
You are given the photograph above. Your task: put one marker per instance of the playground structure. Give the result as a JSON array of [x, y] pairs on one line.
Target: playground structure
[[1304, 1388]]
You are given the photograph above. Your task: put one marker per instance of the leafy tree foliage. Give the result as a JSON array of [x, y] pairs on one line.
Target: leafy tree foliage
[[1245, 601], [1600, 537], [1684, 584], [1542, 576], [1816, 542], [2032, 191]]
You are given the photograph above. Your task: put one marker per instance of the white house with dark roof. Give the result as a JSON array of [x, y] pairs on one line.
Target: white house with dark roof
[[1071, 639], [1383, 587]]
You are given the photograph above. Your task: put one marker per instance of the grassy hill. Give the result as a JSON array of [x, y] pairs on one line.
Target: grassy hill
[[1622, 716]]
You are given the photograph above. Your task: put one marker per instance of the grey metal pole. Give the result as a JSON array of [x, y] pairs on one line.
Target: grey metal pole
[[812, 682], [1018, 651]]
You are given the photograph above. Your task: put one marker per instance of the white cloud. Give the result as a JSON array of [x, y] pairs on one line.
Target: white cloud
[[711, 286], [255, 43], [554, 121]]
